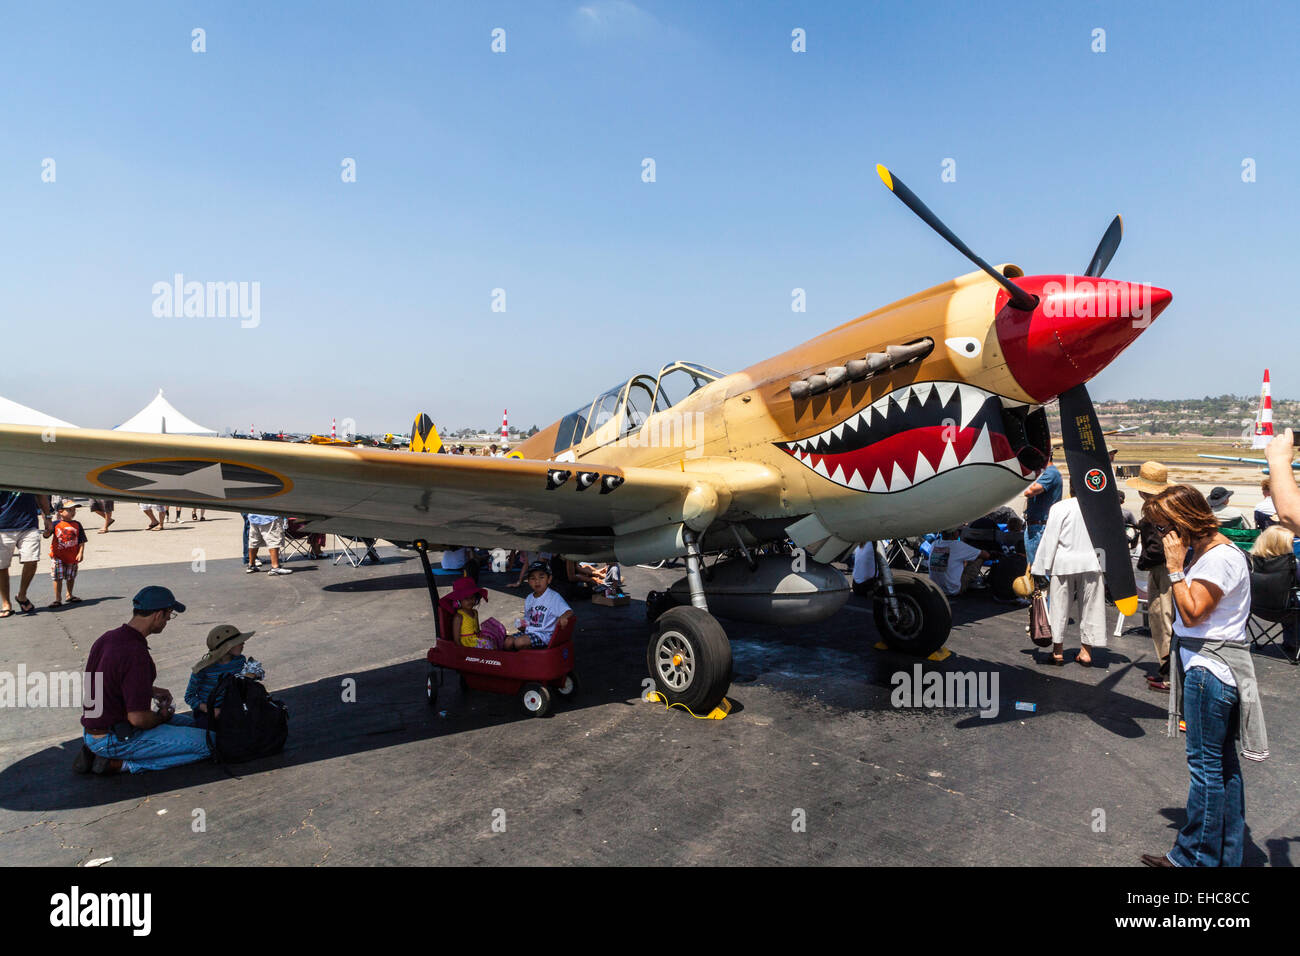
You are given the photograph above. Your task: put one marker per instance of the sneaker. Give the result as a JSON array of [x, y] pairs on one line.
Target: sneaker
[[250, 568], [281, 571], [85, 760], [103, 765]]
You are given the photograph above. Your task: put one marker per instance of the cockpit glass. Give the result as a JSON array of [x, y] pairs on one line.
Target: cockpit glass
[[606, 407], [640, 399], [676, 385]]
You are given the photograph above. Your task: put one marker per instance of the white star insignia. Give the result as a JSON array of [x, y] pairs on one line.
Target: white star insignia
[[207, 481]]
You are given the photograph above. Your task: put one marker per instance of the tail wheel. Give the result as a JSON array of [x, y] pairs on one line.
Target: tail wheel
[[923, 619], [689, 658], [536, 700]]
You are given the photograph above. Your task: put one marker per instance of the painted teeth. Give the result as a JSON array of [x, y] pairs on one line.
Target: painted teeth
[[971, 401]]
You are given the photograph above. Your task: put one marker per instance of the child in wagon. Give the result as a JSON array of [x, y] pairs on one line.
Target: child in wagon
[[462, 603]]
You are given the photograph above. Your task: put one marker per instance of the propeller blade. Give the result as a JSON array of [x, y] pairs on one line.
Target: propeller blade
[[1019, 297], [1094, 485], [1106, 248]]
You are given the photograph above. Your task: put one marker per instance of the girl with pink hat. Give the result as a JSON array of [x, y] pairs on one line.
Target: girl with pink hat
[[465, 629]]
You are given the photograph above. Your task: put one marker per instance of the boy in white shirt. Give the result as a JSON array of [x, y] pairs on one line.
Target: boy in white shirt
[[543, 612]]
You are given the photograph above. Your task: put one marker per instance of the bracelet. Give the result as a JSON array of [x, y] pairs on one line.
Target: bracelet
[[1176, 576]]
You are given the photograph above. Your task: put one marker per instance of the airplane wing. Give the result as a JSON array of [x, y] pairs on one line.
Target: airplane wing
[[575, 509], [1262, 462]]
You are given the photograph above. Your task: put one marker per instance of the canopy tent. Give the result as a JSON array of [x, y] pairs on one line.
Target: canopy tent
[[160, 418], [11, 413]]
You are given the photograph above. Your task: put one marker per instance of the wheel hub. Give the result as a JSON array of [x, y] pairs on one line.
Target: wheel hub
[[674, 661]]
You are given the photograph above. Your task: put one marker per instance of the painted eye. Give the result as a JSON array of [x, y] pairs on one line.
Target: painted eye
[[964, 345]]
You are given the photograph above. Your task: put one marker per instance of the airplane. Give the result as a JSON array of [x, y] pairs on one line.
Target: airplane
[[917, 416]]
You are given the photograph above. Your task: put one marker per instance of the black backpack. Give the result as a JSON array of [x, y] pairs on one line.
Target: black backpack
[[252, 723]]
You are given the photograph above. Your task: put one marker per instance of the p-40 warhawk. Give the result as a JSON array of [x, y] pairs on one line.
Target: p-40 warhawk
[[918, 416]]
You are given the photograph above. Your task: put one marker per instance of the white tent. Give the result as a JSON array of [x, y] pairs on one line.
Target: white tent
[[159, 417], [11, 413]]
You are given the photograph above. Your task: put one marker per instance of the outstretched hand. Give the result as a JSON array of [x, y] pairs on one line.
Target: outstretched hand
[[1279, 451]]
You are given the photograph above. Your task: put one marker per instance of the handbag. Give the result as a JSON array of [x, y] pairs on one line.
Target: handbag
[[1040, 630]]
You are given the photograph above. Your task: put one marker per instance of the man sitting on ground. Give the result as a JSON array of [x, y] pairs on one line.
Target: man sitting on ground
[[122, 731], [954, 564], [543, 611]]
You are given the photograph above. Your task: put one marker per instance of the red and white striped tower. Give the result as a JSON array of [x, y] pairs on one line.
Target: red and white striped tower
[[505, 428], [334, 432], [1264, 423]]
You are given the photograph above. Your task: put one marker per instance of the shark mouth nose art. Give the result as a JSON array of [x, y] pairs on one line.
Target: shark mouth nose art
[[910, 435]]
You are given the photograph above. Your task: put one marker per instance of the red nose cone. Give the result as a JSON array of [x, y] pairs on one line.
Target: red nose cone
[[1078, 328]]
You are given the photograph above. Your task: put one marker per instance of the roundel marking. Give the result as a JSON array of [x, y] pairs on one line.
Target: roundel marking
[[207, 479]]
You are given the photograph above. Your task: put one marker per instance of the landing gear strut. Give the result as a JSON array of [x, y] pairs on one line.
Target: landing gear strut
[[689, 655], [913, 614]]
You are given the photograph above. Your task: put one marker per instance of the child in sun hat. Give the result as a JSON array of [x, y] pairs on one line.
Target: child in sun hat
[[462, 603], [225, 656]]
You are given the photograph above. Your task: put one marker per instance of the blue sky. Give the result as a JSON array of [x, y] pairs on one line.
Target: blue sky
[[522, 171]]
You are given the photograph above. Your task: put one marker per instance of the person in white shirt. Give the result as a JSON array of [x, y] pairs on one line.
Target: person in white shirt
[[1213, 686], [954, 564], [543, 612], [1265, 511], [1076, 591], [864, 567]]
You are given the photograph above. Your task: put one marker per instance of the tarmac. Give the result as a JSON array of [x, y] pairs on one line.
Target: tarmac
[[814, 766]]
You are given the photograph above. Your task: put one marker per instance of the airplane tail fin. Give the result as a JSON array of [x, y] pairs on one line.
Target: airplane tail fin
[[424, 436]]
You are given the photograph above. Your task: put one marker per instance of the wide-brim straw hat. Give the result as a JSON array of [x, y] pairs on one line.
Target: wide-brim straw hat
[[1152, 478], [220, 639]]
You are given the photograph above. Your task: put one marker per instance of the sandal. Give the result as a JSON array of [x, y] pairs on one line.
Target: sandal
[[7, 612], [73, 600], [27, 606], [1055, 661], [55, 604], [1158, 685]]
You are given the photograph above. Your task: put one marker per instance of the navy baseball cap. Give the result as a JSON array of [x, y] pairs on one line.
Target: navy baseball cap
[[152, 599], [539, 566]]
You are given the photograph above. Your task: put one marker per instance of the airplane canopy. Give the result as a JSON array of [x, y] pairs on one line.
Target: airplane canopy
[[636, 399], [160, 417], [11, 413]]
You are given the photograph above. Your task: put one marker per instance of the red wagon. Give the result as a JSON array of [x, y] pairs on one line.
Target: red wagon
[[532, 674]]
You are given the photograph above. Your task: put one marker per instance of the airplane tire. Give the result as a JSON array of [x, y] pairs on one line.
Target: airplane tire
[[924, 619], [689, 658]]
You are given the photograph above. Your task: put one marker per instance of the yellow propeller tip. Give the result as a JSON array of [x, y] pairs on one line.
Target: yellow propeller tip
[[885, 177], [1127, 606]]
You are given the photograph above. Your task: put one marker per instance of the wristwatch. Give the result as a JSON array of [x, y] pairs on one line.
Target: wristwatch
[[1176, 576]]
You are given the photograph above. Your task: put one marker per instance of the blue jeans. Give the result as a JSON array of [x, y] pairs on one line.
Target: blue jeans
[[1033, 535], [244, 553], [1215, 832], [171, 744]]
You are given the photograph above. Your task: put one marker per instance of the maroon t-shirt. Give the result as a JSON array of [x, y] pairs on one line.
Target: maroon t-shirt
[[121, 656]]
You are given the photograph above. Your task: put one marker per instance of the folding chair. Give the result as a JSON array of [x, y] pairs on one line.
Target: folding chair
[[296, 542], [346, 548], [1274, 604]]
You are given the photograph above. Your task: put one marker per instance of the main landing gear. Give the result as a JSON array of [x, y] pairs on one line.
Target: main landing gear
[[689, 655], [911, 611]]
